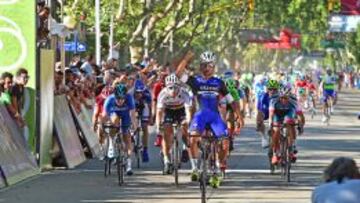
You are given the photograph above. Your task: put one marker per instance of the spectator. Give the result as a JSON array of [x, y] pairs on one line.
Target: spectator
[[87, 65], [43, 30], [5, 97], [340, 186], [60, 88], [17, 90]]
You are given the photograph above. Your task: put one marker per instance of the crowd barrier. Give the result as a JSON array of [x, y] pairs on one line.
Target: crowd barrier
[[85, 124], [45, 127], [16, 161], [66, 133]]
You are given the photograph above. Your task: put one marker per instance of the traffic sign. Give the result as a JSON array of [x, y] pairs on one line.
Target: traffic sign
[[71, 47]]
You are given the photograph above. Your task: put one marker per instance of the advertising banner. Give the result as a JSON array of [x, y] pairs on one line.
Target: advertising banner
[[47, 61], [18, 49], [66, 133], [85, 124], [350, 7], [16, 160]]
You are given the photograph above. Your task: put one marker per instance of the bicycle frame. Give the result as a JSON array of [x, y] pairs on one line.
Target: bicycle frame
[[120, 154], [136, 140], [176, 152], [208, 148]]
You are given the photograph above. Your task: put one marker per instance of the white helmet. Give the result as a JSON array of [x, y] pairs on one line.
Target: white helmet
[[207, 57], [172, 79]]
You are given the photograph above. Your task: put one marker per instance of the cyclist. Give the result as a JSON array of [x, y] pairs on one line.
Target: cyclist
[[300, 88], [99, 108], [208, 90], [173, 106], [327, 87], [120, 106], [282, 111], [158, 86], [231, 86], [142, 97], [246, 85], [272, 88], [311, 91]]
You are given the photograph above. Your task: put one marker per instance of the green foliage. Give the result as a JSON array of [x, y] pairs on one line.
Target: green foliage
[[214, 25]]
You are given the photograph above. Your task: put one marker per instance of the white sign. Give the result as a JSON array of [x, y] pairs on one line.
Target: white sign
[[343, 23]]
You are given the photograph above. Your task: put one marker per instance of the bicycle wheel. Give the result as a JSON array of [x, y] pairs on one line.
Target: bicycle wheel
[[283, 160], [176, 160], [270, 153], [138, 146], [107, 161], [288, 165], [119, 161]]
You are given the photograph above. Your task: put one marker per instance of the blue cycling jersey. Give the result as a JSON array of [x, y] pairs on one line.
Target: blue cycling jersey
[[145, 97], [123, 111], [260, 89], [208, 92]]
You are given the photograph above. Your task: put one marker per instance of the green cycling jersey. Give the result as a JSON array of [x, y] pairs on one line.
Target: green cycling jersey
[[232, 89]]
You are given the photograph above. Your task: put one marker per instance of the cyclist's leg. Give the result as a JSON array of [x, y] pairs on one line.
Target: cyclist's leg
[[125, 127], [168, 134], [325, 103], [289, 120], [218, 126], [197, 127], [277, 121], [145, 129], [167, 141]]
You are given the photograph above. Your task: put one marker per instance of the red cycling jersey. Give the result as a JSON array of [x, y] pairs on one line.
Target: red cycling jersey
[[158, 86], [300, 84], [311, 87], [100, 99]]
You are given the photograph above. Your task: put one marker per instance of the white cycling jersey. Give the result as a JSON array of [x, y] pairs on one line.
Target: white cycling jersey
[[183, 99]]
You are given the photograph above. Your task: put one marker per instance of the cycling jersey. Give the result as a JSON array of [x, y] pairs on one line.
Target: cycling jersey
[[208, 94], [100, 99], [231, 87], [142, 104], [158, 86], [165, 100], [300, 86], [123, 111], [259, 89], [283, 111], [329, 82]]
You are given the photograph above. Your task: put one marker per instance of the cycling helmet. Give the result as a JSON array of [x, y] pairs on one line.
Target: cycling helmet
[[207, 57], [139, 86], [120, 91], [328, 70], [284, 92], [228, 74], [172, 79], [302, 77], [273, 84]]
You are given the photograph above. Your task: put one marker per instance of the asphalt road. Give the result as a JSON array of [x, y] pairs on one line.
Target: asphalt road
[[248, 178]]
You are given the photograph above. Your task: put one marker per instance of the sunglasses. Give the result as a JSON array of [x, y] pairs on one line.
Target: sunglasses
[[205, 65], [120, 98], [272, 89], [172, 87]]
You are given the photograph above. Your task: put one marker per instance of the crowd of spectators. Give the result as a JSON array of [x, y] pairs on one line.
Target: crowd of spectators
[[12, 91]]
